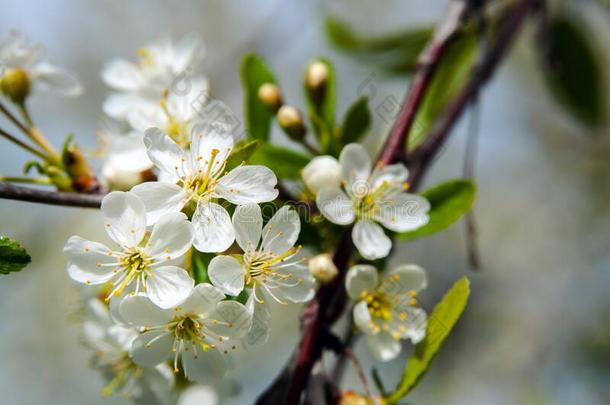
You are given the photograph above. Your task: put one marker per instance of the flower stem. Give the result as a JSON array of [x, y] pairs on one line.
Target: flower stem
[[22, 144], [33, 180]]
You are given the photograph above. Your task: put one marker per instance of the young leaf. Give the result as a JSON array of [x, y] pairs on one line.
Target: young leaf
[[285, 163], [356, 122], [321, 109], [199, 266], [440, 323], [242, 152], [254, 73], [574, 73], [449, 78], [448, 201], [13, 256]]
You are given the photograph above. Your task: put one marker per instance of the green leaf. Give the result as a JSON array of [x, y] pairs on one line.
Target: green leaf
[[574, 76], [13, 256], [356, 122], [322, 112], [285, 163], [254, 73], [242, 153], [449, 78], [397, 52], [440, 323], [449, 201], [199, 266]]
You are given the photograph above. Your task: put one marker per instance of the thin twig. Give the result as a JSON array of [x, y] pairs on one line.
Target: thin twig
[[12, 192], [22, 144], [361, 374]]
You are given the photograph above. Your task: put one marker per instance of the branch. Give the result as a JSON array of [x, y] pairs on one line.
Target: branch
[[12, 192], [324, 309]]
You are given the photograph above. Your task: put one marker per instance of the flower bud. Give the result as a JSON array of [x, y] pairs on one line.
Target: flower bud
[[271, 96], [316, 78], [15, 84], [291, 122], [321, 171], [322, 268]]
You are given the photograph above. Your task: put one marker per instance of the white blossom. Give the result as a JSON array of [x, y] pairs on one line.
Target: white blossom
[[371, 197], [163, 67], [387, 311], [127, 163], [146, 259], [196, 178], [200, 332], [268, 268], [17, 53], [321, 171]]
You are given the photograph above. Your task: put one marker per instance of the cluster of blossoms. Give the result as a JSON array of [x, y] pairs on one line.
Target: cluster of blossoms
[[146, 314]]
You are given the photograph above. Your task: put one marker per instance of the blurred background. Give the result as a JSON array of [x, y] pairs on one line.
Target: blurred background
[[536, 328]]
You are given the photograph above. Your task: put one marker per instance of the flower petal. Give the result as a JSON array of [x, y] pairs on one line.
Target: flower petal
[[261, 322], [187, 52], [203, 300], [303, 289], [168, 286], [57, 79], [147, 352], [208, 367], [282, 231], [248, 184], [383, 346], [362, 318], [403, 279], [355, 165], [360, 278], [122, 75], [227, 274], [335, 205], [413, 326], [165, 153], [370, 240], [138, 310], [170, 238], [210, 142], [124, 218], [403, 212], [395, 175], [213, 229], [248, 223], [87, 260], [119, 105], [235, 320], [159, 199]]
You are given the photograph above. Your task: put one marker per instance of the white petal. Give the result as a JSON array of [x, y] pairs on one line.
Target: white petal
[[122, 75], [303, 289], [198, 395], [235, 320], [168, 286], [159, 199], [171, 237], [360, 278], [395, 175], [248, 223], [261, 321], [213, 229], [282, 231], [320, 172], [85, 260], [355, 164], [208, 367], [138, 310], [124, 218], [57, 79], [149, 354], [165, 153], [403, 279], [362, 318], [370, 240], [227, 274], [383, 346], [209, 142], [248, 184], [118, 105], [203, 300], [335, 205], [403, 212], [188, 51], [413, 326]]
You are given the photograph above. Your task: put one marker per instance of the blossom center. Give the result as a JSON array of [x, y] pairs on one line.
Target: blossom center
[[379, 305]]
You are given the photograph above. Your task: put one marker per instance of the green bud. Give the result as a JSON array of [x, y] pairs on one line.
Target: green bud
[[271, 96], [15, 84], [291, 121]]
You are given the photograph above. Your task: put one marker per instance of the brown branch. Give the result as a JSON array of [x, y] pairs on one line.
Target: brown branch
[[12, 192], [323, 310]]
